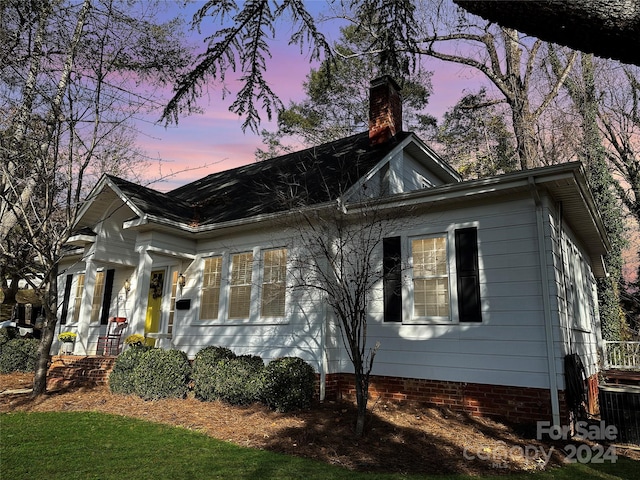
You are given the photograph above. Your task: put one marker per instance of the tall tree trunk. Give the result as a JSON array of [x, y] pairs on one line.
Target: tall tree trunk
[[49, 304], [523, 122], [10, 214], [50, 290], [362, 398]]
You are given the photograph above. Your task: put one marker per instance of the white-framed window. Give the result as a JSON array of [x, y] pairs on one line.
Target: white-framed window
[[240, 285], [77, 300], [273, 283], [244, 286], [172, 301], [211, 283], [430, 278], [98, 292]]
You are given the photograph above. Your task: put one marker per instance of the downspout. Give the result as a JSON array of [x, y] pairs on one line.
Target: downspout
[[544, 276], [323, 355], [564, 277]]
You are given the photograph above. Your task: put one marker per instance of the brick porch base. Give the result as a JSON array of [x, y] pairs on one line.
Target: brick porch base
[[80, 370]]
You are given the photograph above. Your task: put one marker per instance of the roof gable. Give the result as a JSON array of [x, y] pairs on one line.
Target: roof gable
[[311, 176]]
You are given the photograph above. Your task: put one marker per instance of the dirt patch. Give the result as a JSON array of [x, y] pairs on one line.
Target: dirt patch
[[401, 438]]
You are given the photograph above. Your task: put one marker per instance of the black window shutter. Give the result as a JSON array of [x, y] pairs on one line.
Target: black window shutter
[[469, 308], [392, 279], [65, 301], [106, 299]]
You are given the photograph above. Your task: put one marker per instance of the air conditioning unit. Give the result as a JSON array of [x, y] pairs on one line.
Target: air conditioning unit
[[620, 406]]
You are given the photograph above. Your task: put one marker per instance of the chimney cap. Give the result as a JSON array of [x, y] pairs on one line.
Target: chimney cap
[[385, 79]]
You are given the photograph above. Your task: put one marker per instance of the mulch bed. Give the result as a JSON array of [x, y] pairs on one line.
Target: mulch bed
[[400, 438]]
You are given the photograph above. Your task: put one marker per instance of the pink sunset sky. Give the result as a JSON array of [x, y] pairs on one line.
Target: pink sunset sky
[[214, 141]]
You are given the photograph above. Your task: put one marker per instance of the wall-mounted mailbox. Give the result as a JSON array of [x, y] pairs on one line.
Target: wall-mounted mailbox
[[183, 304]]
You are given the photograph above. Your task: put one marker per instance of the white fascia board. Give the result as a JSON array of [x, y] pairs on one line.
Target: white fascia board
[[104, 182], [80, 240], [433, 156]]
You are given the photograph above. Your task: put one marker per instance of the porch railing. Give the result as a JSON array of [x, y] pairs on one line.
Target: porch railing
[[622, 355]]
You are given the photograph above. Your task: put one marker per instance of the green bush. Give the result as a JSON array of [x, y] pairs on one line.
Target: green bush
[[238, 380], [19, 355], [162, 374], [288, 383], [204, 370], [121, 377], [7, 333]]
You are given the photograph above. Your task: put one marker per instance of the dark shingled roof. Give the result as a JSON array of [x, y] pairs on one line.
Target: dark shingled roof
[[307, 177]]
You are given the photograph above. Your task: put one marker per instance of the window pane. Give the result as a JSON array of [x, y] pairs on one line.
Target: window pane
[[273, 283], [240, 291], [210, 288], [77, 302], [172, 303], [430, 278], [96, 303]]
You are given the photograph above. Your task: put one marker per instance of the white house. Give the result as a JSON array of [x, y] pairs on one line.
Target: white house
[[499, 286]]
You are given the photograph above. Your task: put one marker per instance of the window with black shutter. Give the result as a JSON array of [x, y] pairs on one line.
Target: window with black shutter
[[106, 299], [392, 279], [65, 301], [469, 307]]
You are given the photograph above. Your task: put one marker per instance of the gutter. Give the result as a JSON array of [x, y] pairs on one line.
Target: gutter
[[544, 276]]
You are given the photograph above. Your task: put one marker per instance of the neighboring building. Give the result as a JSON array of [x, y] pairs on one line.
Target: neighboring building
[[499, 286]]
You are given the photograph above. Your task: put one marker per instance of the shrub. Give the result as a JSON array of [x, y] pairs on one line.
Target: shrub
[[162, 374], [238, 380], [19, 355], [7, 333], [288, 383], [121, 377], [204, 370]]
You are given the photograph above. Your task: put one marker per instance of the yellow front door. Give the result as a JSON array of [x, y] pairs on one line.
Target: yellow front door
[[154, 306]]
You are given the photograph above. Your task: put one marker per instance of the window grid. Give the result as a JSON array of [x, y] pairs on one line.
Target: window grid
[[430, 277], [240, 288], [77, 302], [172, 302], [273, 283], [211, 288], [98, 292]]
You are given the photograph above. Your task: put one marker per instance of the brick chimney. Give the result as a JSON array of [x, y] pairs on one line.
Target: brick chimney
[[385, 110]]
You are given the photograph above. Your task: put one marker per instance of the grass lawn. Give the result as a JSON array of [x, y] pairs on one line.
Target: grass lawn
[[90, 445]]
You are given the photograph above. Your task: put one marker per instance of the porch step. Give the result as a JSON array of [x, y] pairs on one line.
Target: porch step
[[80, 370]]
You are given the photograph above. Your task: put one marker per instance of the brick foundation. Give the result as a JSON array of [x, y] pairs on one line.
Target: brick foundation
[[513, 404], [80, 370]]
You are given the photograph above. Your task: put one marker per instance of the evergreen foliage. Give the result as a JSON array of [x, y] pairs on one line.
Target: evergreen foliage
[[18, 355], [288, 384], [205, 367], [162, 374], [121, 377], [238, 380]]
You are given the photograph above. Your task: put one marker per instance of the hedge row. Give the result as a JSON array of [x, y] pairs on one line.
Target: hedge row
[[17, 354], [284, 384]]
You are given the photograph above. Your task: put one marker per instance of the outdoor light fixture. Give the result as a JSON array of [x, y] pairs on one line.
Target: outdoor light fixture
[[127, 285], [182, 280]]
